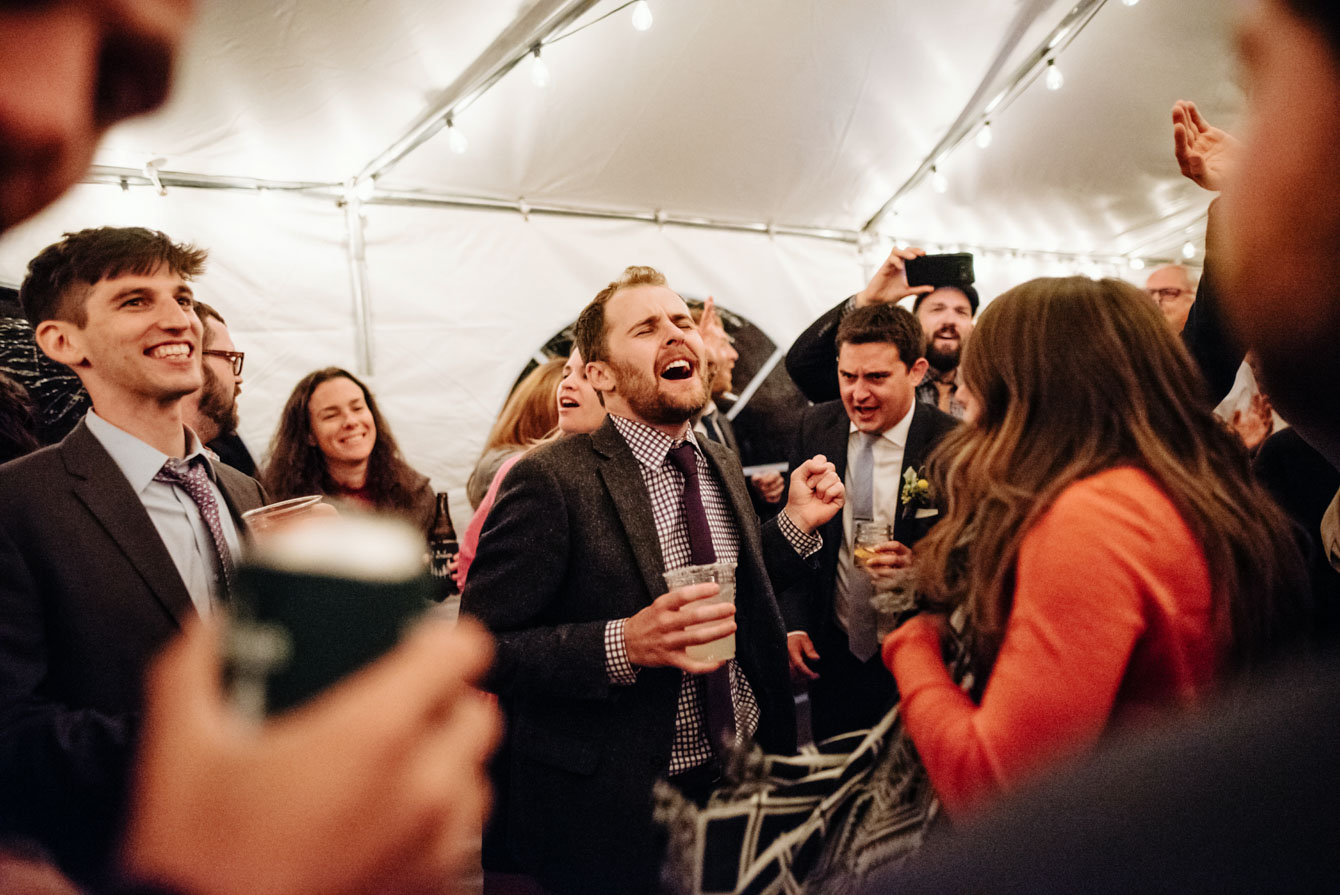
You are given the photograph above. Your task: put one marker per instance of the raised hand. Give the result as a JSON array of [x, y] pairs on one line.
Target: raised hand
[[658, 634], [816, 494], [889, 284], [1206, 155]]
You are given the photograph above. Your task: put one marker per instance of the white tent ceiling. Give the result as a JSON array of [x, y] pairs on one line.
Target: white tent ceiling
[[801, 114]]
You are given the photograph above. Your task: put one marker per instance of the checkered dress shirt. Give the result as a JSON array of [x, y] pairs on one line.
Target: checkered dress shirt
[[665, 487]]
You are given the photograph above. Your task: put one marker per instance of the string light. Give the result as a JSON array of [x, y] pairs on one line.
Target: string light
[[641, 15], [939, 182], [539, 69], [365, 188], [1189, 250], [1129, 2], [1137, 264], [1055, 80], [456, 140], [984, 136]]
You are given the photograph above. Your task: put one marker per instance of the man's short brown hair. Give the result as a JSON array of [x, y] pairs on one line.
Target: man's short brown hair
[[589, 331], [208, 315], [52, 288], [884, 323]]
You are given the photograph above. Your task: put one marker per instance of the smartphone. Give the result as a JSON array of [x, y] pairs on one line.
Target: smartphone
[[941, 270]]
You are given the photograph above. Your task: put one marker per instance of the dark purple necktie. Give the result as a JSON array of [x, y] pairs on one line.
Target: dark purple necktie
[[192, 478], [720, 704]]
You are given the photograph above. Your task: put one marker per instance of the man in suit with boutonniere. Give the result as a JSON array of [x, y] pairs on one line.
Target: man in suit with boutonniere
[[878, 436]]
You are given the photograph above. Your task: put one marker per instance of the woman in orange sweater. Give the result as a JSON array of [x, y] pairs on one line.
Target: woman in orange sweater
[[1103, 537]]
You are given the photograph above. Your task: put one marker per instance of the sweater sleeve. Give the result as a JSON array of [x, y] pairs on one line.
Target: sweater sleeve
[[1076, 618]]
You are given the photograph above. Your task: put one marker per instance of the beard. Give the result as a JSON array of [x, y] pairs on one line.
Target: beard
[[218, 402], [941, 359], [645, 398]]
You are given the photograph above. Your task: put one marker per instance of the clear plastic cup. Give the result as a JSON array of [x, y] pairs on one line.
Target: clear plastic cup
[[723, 573], [272, 516]]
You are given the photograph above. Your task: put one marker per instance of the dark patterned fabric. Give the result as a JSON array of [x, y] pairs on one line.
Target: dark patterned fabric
[[193, 478], [59, 399], [819, 822]]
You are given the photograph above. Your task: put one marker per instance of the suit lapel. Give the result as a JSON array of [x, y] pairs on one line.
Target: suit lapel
[[101, 486], [914, 456], [622, 476]]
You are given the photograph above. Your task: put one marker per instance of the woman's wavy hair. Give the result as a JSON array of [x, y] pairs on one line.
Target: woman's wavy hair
[[531, 411], [1075, 376], [298, 467]]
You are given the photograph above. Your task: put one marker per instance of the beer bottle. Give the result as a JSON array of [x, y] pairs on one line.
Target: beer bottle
[[442, 546]]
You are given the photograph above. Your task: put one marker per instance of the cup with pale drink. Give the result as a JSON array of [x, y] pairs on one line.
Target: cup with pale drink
[[723, 573], [892, 600]]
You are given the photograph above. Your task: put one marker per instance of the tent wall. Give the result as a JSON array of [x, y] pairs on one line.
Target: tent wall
[[460, 298]]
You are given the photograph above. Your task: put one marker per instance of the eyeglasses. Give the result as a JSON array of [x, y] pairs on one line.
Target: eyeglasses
[[1168, 293], [234, 357]]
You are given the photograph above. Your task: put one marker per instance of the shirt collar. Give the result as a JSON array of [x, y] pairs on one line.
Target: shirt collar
[[649, 445], [139, 461], [897, 433]]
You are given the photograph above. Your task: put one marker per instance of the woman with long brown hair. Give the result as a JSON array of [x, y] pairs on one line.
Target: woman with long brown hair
[[1102, 537], [333, 440]]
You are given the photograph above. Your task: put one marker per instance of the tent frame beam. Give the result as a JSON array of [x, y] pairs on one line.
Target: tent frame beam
[[542, 19], [978, 106]]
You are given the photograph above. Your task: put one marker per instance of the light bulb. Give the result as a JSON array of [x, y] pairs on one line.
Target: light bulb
[[539, 69], [456, 140], [641, 15], [939, 182], [1055, 79], [984, 136], [1137, 264], [365, 188], [1129, 2], [1189, 250]]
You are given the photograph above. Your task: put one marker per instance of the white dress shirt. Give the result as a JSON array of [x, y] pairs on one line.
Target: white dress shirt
[[174, 514], [888, 451]]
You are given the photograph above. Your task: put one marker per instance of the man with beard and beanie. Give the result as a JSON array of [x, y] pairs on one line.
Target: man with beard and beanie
[[944, 311], [212, 411], [1239, 795], [593, 668]]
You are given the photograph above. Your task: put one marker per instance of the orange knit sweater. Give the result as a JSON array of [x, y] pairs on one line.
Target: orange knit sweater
[[1111, 616]]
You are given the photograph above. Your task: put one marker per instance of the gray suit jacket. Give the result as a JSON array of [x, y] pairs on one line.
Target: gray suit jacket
[[570, 544], [88, 595]]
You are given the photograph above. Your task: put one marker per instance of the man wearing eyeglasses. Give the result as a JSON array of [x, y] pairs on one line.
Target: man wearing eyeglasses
[[211, 412], [1173, 291]]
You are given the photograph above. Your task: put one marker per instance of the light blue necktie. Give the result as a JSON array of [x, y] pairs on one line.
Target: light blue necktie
[[860, 613]]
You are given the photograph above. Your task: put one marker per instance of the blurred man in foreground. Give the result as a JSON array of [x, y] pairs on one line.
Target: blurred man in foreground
[[377, 784]]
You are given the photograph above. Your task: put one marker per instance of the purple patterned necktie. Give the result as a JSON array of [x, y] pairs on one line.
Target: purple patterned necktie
[[720, 704], [192, 478]]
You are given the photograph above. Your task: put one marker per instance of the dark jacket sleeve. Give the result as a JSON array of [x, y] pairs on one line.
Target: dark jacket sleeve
[[812, 359], [514, 584], [62, 771], [796, 597], [1206, 335]]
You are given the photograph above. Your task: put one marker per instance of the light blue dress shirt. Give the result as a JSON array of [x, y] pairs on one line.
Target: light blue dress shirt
[[174, 514]]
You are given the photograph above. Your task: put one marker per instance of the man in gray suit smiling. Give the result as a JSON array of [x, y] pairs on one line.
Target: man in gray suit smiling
[[109, 540], [601, 694]]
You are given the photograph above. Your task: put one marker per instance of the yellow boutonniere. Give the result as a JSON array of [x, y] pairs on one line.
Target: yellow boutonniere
[[916, 489]]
